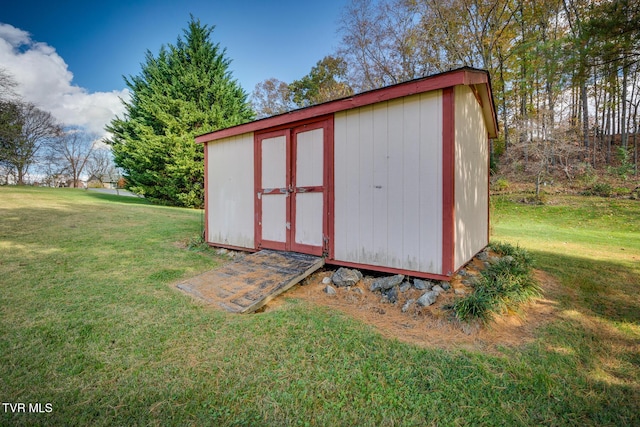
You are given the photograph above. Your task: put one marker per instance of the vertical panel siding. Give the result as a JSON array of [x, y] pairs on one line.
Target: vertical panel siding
[[230, 199], [431, 181], [471, 180], [365, 174], [411, 182], [395, 182], [388, 184], [350, 184], [380, 185]]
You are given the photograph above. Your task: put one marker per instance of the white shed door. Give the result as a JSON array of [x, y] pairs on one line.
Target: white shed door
[[308, 185], [291, 191], [274, 192]]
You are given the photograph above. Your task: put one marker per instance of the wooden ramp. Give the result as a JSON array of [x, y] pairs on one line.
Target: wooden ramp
[[245, 285]]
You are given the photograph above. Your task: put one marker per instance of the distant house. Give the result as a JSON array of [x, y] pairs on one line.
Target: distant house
[[109, 180], [394, 180]]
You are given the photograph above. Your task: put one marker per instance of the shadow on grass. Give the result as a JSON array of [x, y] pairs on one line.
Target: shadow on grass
[[117, 198], [607, 288]]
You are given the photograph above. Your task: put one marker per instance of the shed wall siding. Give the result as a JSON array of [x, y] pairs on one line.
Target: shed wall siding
[[388, 184], [471, 177], [230, 202]]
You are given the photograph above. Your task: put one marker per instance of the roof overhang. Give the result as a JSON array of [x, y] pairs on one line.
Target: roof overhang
[[477, 79]]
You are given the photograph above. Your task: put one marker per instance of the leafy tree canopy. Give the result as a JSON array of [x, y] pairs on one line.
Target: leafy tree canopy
[[186, 90], [326, 81]]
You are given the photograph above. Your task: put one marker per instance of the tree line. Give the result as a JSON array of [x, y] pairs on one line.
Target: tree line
[[564, 72], [31, 138], [564, 76]]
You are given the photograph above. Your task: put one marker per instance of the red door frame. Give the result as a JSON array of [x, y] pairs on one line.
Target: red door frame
[[260, 192], [290, 131]]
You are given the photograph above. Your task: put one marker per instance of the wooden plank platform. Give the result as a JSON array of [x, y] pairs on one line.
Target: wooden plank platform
[[246, 284]]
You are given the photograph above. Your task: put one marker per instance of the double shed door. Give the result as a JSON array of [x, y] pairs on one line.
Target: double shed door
[[293, 176]]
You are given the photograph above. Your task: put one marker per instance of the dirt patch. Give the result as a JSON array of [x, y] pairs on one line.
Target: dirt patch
[[431, 326]]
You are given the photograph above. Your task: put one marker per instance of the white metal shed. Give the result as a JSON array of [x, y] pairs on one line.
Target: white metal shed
[[394, 180]]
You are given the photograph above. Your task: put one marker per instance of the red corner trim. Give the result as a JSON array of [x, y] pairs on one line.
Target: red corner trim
[[206, 192], [448, 181], [329, 187]]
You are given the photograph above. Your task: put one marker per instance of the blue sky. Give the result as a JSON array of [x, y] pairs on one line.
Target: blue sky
[[91, 45]]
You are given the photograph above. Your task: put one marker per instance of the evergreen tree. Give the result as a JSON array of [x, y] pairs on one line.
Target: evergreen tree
[[185, 91]]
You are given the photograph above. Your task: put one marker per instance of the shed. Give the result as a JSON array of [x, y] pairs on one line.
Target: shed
[[393, 180]]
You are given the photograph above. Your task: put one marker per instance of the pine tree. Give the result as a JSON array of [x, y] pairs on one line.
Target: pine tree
[[185, 91]]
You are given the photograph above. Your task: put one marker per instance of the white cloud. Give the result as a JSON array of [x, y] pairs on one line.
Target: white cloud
[[44, 79]]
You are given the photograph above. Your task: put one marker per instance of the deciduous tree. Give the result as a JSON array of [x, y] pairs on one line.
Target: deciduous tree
[[271, 97], [326, 81], [24, 130], [70, 152]]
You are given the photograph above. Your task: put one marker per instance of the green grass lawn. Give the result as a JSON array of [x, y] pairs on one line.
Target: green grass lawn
[[91, 324]]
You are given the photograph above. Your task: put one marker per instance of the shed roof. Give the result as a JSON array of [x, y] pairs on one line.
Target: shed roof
[[477, 79]]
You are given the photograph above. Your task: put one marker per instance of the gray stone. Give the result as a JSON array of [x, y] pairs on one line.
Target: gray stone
[[483, 256], [445, 285], [358, 291], [392, 295], [346, 277], [438, 289], [422, 285], [385, 283], [326, 281], [407, 305], [330, 290], [404, 287], [459, 291], [427, 298], [462, 272], [508, 259]]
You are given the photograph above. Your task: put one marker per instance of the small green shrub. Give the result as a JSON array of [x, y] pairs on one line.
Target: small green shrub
[[504, 285], [507, 249], [622, 191], [501, 184], [197, 244], [601, 189], [476, 306]]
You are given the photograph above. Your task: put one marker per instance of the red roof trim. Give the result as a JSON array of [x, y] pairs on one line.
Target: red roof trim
[[462, 76]]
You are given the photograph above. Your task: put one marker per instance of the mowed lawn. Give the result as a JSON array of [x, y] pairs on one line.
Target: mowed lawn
[[93, 330]]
